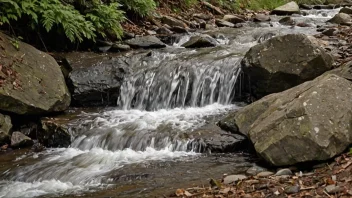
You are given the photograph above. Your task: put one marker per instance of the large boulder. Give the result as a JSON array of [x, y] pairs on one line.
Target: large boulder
[[5, 127], [31, 82], [287, 9], [310, 122], [284, 62], [346, 10], [199, 41], [340, 18]]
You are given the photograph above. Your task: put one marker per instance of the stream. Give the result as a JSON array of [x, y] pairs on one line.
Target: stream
[[147, 146]]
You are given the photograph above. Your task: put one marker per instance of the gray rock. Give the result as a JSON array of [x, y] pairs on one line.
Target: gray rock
[[128, 35], [234, 19], [283, 62], [340, 18], [171, 21], [223, 23], [332, 189], [163, 30], [261, 18], [265, 174], [282, 172], [151, 32], [287, 9], [203, 16], [252, 171], [287, 21], [346, 10], [18, 139], [302, 124], [5, 128], [214, 9], [145, 42], [200, 41], [233, 178], [292, 189], [36, 85], [120, 47], [179, 29]]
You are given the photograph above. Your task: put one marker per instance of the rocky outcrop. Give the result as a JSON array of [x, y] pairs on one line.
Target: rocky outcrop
[[5, 127], [31, 82], [310, 122], [287, 9], [18, 139], [340, 18], [200, 41], [145, 42], [284, 62]]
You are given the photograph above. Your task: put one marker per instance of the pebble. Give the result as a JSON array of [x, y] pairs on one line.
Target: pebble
[[282, 172], [292, 189], [265, 174], [233, 178], [332, 189], [255, 170]]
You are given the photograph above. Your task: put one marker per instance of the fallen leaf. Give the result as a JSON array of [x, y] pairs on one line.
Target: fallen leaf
[[179, 192]]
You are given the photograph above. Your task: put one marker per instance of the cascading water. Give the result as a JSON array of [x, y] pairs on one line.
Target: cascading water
[[148, 141]]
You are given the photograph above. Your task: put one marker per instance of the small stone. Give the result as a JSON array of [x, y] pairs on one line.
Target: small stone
[[332, 189], [18, 139], [282, 172], [151, 32], [292, 189], [163, 30], [233, 178], [329, 32], [287, 21], [223, 23], [179, 29], [252, 181], [120, 47], [234, 19], [265, 174], [255, 170]]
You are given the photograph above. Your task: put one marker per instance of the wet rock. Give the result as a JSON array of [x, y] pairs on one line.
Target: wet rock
[[145, 42], [234, 19], [128, 35], [287, 9], [163, 30], [223, 23], [340, 18], [200, 41], [38, 147], [18, 139], [96, 79], [304, 24], [333, 189], [283, 62], [233, 178], [5, 127], [282, 172], [252, 171], [306, 6], [330, 32], [202, 23], [120, 47], [261, 18], [54, 132], [346, 10], [34, 83], [306, 123], [265, 174], [171, 21], [287, 21], [292, 189]]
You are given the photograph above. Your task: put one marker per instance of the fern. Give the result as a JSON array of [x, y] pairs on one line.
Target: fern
[[141, 7]]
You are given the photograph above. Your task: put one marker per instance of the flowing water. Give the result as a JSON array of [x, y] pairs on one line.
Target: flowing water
[[146, 147]]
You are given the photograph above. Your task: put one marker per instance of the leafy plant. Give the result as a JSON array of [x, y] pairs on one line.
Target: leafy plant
[[141, 7]]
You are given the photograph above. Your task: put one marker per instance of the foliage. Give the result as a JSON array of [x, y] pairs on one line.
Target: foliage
[[63, 17], [140, 7]]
